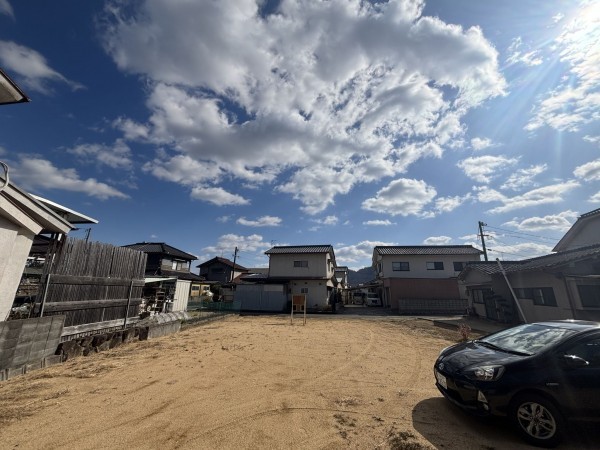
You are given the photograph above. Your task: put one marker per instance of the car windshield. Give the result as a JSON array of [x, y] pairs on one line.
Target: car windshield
[[528, 338]]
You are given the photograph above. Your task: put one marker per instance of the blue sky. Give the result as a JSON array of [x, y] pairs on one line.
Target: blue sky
[[210, 125]]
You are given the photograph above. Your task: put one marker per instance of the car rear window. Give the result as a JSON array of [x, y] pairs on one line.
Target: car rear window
[[528, 338]]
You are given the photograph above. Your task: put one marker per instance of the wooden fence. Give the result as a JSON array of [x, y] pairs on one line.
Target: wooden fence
[[94, 285]]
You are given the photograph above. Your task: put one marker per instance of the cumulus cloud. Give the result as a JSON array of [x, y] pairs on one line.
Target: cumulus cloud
[[403, 197], [522, 250], [559, 222], [447, 204], [117, 156], [264, 221], [5, 8], [481, 143], [483, 168], [575, 102], [523, 177], [217, 196], [438, 240], [589, 171], [349, 255], [595, 198], [32, 68], [384, 223], [227, 243], [34, 173], [324, 91], [540, 196]]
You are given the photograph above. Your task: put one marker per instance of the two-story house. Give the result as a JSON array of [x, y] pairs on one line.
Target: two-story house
[[422, 278], [168, 272], [221, 270], [307, 270]]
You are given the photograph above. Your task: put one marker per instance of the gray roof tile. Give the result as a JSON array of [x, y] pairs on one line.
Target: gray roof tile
[[428, 250]]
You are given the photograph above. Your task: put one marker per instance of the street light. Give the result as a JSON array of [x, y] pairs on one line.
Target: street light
[[10, 92]]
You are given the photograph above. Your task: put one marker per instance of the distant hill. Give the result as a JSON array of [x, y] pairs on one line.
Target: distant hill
[[356, 277]]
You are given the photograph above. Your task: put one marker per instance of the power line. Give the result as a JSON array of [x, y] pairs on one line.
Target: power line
[[525, 234]]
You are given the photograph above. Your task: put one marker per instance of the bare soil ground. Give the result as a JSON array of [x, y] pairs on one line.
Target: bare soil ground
[[254, 382]]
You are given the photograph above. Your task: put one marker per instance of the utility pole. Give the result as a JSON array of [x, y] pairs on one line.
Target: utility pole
[[481, 225], [234, 258]]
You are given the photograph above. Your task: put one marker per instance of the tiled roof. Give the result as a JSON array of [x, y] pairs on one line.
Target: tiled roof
[[541, 262], [292, 249], [162, 248], [428, 250], [561, 258], [225, 261]]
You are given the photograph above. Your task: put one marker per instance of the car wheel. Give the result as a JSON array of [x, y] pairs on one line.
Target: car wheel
[[537, 420]]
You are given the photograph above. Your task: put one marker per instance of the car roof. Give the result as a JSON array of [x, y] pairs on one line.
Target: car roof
[[576, 325]]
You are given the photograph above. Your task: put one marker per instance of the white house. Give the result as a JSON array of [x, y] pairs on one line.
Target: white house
[[422, 278], [306, 269], [585, 231]]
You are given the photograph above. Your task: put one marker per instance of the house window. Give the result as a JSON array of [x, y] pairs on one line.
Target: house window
[[401, 266], [300, 263], [459, 266], [304, 290], [540, 296], [436, 265], [589, 295]]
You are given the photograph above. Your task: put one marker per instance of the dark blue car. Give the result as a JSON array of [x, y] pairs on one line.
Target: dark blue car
[[539, 375]]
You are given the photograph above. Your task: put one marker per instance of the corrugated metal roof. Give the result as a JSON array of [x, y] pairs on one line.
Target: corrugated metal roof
[[161, 247], [292, 249], [428, 250]]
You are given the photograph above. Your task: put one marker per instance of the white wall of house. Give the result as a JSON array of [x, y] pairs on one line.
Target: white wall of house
[[316, 295], [418, 265], [15, 243], [317, 265], [536, 313], [582, 234]]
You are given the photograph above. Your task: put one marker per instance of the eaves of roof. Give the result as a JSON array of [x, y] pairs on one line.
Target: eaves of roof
[[161, 248]]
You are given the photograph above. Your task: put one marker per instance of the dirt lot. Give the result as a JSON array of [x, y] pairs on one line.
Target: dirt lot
[[253, 382]]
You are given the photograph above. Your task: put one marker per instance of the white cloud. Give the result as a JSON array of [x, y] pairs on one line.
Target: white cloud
[[595, 198], [350, 255], [592, 139], [540, 196], [484, 168], [224, 219], [324, 91], [512, 252], [589, 171], [559, 222], [217, 196], [438, 240], [5, 8], [117, 156], [35, 173], [401, 197], [384, 223], [481, 143], [447, 204], [264, 221], [523, 177], [32, 67], [523, 56], [576, 102], [227, 243]]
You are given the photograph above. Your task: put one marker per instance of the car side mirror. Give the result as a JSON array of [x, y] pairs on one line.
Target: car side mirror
[[574, 361]]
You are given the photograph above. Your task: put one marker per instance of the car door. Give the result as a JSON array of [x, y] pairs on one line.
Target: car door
[[579, 384]]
